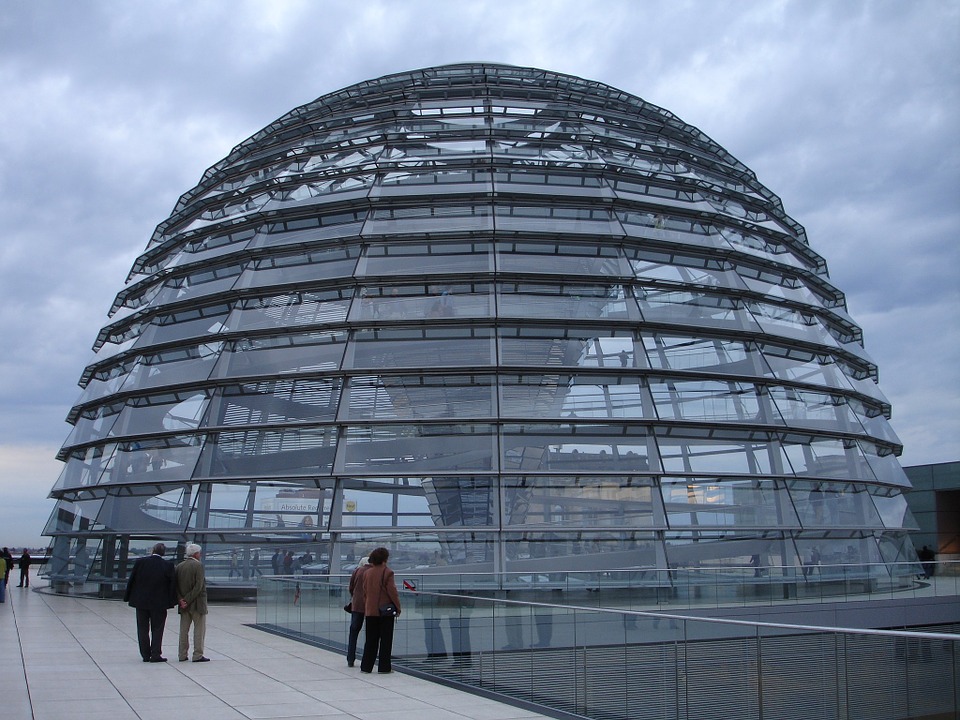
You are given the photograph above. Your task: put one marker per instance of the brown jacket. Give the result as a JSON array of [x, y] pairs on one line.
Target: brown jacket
[[379, 588]]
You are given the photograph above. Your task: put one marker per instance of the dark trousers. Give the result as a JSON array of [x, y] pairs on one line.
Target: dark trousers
[[24, 578], [150, 632], [356, 623], [379, 644]]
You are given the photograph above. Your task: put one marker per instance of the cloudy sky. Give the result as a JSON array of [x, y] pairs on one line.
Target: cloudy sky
[[848, 110]]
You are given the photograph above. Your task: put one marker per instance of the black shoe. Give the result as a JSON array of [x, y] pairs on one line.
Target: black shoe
[[384, 672], [366, 671], [146, 659], [158, 659], [349, 664], [202, 659], [182, 659]]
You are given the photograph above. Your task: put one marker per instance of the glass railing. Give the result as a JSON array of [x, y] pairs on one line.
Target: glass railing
[[614, 664]]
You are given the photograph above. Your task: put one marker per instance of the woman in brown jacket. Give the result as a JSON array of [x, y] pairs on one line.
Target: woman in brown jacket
[[379, 590], [357, 609]]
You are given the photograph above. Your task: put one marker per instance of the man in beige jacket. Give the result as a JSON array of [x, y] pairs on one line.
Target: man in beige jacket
[[192, 603]]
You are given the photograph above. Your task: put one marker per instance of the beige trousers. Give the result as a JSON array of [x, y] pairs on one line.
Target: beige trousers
[[199, 631]]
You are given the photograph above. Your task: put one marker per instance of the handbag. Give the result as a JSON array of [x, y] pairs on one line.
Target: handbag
[[348, 608], [388, 610]]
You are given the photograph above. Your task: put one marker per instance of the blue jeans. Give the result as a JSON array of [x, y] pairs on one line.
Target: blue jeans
[[356, 623]]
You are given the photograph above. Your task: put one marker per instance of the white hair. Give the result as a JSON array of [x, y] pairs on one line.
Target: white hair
[[191, 550]]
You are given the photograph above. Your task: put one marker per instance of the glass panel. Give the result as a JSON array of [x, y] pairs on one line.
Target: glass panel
[[419, 448], [712, 355], [708, 401], [684, 307], [154, 460], [834, 505], [401, 502], [181, 326], [553, 219], [290, 310], [462, 501], [727, 502], [375, 397], [319, 265], [874, 423], [779, 287], [578, 302], [573, 396], [278, 234], [682, 270], [802, 408], [419, 348], [707, 455], [686, 233], [430, 219], [571, 449], [828, 457], [754, 554], [528, 554], [237, 506], [884, 465], [566, 347], [286, 451], [84, 467], [561, 258], [780, 320], [287, 354], [836, 556], [579, 501], [171, 507], [97, 426], [173, 367], [73, 516], [804, 366], [424, 301], [892, 506], [278, 401], [202, 283], [413, 258], [125, 513]]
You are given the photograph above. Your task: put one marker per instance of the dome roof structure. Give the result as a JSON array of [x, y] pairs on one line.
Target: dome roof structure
[[497, 319]]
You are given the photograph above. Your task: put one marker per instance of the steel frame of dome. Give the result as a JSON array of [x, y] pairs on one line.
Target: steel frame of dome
[[495, 318]]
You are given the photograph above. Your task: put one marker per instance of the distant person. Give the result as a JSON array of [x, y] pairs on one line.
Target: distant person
[[357, 609], [379, 590], [255, 564], [24, 565], [276, 562], [192, 604], [3, 579], [288, 563], [151, 589], [927, 561], [234, 564], [8, 557]]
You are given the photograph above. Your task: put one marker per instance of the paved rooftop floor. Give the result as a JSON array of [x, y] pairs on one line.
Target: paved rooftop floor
[[77, 659]]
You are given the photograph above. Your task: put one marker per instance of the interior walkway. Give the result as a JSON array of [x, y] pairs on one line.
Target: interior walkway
[[77, 659]]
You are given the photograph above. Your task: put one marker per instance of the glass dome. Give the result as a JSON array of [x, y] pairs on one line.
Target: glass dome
[[497, 319]]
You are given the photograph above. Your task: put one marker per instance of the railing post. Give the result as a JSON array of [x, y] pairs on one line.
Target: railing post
[[759, 675]]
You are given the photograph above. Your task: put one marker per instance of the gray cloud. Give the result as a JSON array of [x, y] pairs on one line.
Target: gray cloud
[[110, 110]]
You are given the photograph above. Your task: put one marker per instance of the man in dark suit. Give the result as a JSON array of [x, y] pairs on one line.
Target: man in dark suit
[[151, 589]]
